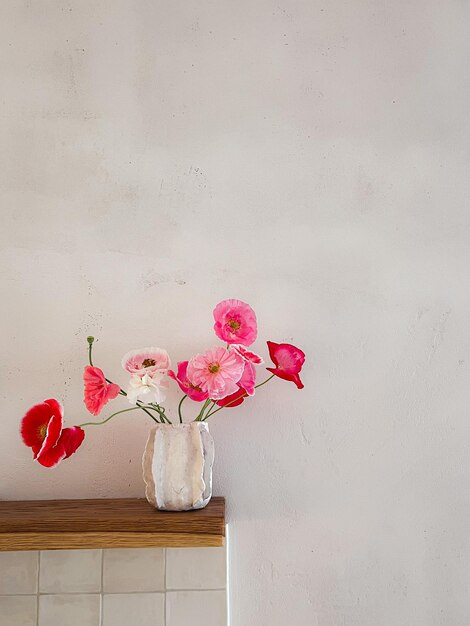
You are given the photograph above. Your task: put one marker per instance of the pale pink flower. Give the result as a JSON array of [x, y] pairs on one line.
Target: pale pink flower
[[217, 371], [235, 322], [146, 360]]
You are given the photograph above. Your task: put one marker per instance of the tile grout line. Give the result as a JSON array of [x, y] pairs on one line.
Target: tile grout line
[[165, 555], [37, 587], [113, 593], [102, 589], [227, 575]]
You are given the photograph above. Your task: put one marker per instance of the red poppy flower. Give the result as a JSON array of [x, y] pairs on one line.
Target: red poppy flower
[[181, 377], [234, 399], [98, 391], [41, 430], [288, 361]]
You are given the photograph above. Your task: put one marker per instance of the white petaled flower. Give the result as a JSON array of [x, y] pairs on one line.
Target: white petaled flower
[[151, 387]]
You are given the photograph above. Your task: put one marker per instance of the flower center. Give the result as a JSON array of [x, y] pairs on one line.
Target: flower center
[[148, 362], [234, 324], [214, 368], [195, 387], [42, 431]]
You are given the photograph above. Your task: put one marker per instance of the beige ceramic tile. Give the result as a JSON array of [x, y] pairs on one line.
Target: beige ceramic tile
[[196, 608], [18, 572], [196, 568], [18, 610], [136, 609], [70, 571], [69, 610], [141, 569]]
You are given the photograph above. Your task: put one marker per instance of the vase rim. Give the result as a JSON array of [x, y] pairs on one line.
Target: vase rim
[[183, 425]]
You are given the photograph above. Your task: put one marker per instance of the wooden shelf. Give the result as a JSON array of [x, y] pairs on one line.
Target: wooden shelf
[[122, 523]]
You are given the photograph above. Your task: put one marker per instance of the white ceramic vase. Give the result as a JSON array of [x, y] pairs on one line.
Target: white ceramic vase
[[177, 466]]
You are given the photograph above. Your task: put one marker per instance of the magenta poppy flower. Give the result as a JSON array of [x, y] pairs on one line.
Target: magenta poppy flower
[[246, 387], [288, 361], [98, 391], [235, 322], [181, 377], [41, 430], [216, 372]]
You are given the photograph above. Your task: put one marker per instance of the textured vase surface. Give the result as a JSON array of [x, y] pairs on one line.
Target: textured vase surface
[[177, 466]]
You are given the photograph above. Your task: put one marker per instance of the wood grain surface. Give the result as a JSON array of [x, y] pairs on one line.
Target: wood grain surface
[[118, 523]]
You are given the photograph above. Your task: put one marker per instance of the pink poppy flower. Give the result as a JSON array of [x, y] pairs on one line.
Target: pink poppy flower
[[181, 377], [288, 361], [247, 355], [246, 387], [41, 430], [235, 322], [98, 391], [217, 372], [146, 360]]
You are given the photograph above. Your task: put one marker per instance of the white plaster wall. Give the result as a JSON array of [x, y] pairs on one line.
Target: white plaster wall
[[311, 158]]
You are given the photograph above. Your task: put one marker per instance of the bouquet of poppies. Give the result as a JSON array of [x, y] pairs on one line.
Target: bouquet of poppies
[[220, 378]]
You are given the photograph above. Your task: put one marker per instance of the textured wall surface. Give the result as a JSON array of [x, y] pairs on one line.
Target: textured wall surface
[[311, 158]]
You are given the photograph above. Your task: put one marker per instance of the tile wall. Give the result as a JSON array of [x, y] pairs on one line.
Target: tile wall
[[131, 587]]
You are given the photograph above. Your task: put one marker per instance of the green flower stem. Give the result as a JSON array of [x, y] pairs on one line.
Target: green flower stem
[[90, 340], [214, 402], [210, 414], [133, 408], [161, 412], [265, 381], [201, 412], [179, 407]]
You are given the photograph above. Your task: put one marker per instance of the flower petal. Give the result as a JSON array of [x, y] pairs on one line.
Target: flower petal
[[71, 439], [219, 393], [248, 379], [295, 378], [52, 457], [54, 428], [35, 419], [234, 399], [193, 392], [112, 391], [246, 354]]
